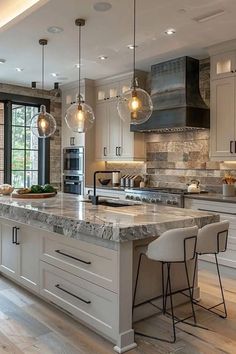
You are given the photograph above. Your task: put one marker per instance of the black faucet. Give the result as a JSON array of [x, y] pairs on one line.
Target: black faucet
[[94, 197]]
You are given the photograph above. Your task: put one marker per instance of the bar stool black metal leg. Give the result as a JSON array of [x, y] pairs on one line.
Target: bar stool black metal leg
[[136, 280], [163, 287], [171, 304], [221, 288], [190, 292]]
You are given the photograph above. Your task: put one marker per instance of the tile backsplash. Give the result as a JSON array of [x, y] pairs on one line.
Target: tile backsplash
[[173, 159]]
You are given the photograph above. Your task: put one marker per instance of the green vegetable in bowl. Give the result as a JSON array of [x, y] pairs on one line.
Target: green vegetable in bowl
[[48, 188], [36, 188]]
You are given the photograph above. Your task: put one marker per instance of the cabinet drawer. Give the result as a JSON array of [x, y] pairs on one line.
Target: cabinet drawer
[[93, 305], [90, 262]]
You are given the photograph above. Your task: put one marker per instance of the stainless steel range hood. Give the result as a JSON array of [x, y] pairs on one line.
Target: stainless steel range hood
[[178, 105]]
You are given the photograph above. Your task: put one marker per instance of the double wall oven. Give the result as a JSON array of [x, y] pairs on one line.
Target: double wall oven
[[73, 170]]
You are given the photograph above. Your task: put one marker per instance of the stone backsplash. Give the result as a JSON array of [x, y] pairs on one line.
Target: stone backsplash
[[174, 159], [55, 141]]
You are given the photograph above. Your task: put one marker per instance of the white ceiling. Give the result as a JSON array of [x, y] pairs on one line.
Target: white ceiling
[[109, 34]]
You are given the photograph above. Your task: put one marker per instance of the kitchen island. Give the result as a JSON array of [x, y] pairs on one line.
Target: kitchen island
[[83, 258]]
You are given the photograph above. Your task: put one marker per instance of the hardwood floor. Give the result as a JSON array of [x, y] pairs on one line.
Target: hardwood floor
[[29, 325]]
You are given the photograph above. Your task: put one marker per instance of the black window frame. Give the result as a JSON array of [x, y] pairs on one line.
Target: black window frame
[[44, 144]]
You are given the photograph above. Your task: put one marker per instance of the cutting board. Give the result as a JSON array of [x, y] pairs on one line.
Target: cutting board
[[33, 195]]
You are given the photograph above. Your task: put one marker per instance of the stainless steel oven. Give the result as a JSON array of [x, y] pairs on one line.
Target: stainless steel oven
[[73, 161], [74, 184]]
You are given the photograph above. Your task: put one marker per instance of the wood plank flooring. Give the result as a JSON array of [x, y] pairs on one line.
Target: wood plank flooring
[[29, 325]]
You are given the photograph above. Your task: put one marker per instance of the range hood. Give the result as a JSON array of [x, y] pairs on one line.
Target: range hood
[[177, 102]]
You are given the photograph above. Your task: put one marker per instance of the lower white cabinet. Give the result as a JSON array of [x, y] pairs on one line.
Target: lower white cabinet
[[19, 253], [227, 211], [92, 304]]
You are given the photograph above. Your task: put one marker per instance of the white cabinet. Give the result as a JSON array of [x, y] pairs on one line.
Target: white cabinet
[[19, 253], [8, 250], [114, 141], [223, 117], [223, 65], [227, 211]]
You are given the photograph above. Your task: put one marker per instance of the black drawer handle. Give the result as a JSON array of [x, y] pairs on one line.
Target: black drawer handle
[[13, 234], [16, 240], [230, 146], [69, 256], [77, 297]]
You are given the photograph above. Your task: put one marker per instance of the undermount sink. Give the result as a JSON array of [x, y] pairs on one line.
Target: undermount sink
[[111, 203]]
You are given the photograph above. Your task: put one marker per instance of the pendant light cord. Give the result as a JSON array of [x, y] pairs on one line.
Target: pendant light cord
[[79, 48], [134, 44], [43, 68]]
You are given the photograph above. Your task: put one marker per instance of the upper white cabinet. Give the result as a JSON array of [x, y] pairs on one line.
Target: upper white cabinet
[[114, 141], [223, 104], [223, 65], [223, 116]]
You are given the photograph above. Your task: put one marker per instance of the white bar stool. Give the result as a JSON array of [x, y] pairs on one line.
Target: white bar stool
[[212, 239], [173, 246]]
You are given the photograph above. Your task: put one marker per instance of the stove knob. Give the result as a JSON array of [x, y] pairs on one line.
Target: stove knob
[[174, 202], [168, 201], [158, 200], [153, 201], [137, 198], [144, 200], [131, 197]]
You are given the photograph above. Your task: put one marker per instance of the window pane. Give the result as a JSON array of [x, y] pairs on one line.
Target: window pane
[[1, 177], [31, 160], [1, 136], [18, 159], [18, 115], [1, 159], [31, 140], [1, 113], [18, 179], [30, 112], [31, 178], [18, 137]]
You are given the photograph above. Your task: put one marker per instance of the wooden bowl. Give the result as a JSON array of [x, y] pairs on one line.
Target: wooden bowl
[[104, 181]]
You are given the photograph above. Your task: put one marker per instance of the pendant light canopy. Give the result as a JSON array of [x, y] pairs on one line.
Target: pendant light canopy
[[43, 124], [79, 116], [135, 105]]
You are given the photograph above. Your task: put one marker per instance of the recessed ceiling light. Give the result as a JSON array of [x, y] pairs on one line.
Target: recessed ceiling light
[[170, 31], [55, 29], [103, 57], [54, 74], [131, 46], [102, 6], [19, 69], [2, 61]]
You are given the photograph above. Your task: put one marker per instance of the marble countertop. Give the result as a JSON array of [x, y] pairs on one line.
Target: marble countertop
[[214, 197], [70, 216]]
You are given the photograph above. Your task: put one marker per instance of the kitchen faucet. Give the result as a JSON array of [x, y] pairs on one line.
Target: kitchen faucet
[[94, 197]]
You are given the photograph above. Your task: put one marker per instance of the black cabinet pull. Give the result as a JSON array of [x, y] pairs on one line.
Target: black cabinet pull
[[117, 153], [235, 146], [104, 151], [16, 234], [230, 146], [68, 292], [119, 150], [69, 256], [13, 234]]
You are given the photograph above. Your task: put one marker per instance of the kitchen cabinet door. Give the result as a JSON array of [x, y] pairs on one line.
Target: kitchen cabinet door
[[8, 250], [102, 146], [115, 130], [222, 132], [28, 259]]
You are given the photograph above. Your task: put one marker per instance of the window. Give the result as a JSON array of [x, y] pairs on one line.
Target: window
[[24, 159], [1, 143], [25, 150]]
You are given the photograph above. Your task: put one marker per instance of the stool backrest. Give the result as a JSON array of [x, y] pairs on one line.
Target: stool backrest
[[177, 245], [213, 238]]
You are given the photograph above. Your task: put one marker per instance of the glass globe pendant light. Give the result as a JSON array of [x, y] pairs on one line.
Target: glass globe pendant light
[[43, 124], [79, 116], [135, 105]]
